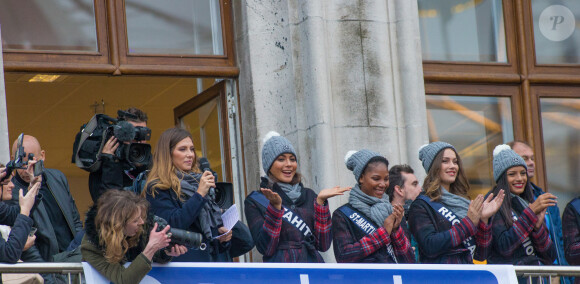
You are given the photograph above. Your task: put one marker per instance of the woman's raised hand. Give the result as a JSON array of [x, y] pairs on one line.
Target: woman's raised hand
[[474, 210], [27, 201], [399, 212], [389, 223], [541, 218], [327, 193], [542, 202], [206, 182], [490, 206], [274, 198]]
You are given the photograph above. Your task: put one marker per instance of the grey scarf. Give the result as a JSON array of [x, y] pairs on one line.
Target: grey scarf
[[455, 203], [292, 191], [377, 209], [210, 215], [522, 201]]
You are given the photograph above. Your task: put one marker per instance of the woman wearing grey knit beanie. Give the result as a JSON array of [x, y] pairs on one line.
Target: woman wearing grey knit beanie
[[289, 223], [368, 228], [520, 236], [448, 227]]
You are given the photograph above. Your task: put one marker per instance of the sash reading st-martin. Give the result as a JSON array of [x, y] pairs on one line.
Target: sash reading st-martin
[[527, 243], [364, 225], [289, 217], [448, 215]]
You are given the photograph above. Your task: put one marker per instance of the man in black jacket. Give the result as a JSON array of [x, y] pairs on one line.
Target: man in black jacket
[[115, 173], [55, 215]]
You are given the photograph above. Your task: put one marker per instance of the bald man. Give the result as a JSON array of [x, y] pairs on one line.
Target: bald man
[[56, 215]]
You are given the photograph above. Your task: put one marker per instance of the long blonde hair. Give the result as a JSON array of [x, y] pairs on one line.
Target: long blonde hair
[[115, 208], [162, 175], [432, 182]]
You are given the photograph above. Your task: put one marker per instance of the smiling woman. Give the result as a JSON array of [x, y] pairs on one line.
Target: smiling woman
[[369, 228], [289, 223], [448, 227], [520, 236]]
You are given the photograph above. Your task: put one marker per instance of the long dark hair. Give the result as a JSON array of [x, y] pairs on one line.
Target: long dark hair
[[432, 182], [506, 207]]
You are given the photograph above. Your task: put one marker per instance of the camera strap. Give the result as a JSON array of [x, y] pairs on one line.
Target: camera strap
[[448, 215], [364, 225], [290, 217], [86, 133]]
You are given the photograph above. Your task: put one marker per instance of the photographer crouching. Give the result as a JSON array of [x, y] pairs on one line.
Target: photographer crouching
[[124, 153], [119, 230]]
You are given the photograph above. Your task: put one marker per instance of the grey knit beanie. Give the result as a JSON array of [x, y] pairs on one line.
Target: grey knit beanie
[[274, 146], [503, 159], [428, 152], [357, 160]]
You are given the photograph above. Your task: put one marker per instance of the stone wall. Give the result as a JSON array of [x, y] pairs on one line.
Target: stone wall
[[331, 76]]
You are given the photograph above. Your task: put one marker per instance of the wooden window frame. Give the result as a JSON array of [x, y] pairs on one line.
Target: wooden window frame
[[66, 61], [112, 56], [538, 92], [460, 71], [544, 73], [201, 65], [218, 90]]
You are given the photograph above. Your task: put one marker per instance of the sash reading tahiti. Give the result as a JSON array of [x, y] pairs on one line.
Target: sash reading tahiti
[[448, 215], [527, 243], [364, 225], [289, 217]]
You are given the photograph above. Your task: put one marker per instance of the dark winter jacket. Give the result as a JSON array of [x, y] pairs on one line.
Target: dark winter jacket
[[279, 241], [184, 215], [351, 244], [47, 235], [571, 230], [113, 174], [508, 245], [94, 253], [440, 242]]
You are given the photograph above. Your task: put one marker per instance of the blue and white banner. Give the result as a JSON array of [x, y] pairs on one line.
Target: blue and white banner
[[331, 273]]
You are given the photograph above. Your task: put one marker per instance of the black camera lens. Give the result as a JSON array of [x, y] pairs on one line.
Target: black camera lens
[[139, 154]]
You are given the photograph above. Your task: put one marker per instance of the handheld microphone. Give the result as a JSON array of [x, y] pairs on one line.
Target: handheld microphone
[[204, 166]]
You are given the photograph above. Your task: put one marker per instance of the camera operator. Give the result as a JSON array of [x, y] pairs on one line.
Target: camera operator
[[116, 172], [119, 230], [56, 215]]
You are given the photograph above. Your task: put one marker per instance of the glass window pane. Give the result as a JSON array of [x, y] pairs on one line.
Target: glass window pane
[[455, 30], [474, 126], [48, 25], [204, 125], [174, 27], [557, 31], [561, 134]]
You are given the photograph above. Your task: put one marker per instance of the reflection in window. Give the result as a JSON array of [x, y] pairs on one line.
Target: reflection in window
[[556, 31], [48, 25], [474, 126], [561, 134], [174, 27], [462, 30], [204, 125]]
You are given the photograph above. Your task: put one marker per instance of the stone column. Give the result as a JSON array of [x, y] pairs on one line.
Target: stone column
[[331, 76], [4, 141]]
